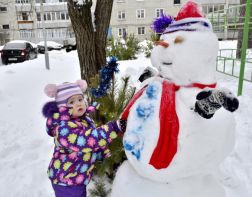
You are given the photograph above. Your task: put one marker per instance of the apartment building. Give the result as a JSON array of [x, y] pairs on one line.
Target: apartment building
[[136, 16], [21, 19], [210, 6], [7, 21]]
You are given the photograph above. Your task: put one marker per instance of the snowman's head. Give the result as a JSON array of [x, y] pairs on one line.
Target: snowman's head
[[187, 50]]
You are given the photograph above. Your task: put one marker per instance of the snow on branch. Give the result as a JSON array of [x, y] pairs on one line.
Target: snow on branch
[[83, 2]]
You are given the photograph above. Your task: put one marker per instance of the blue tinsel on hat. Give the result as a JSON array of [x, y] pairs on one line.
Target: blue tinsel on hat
[[106, 75], [161, 23]]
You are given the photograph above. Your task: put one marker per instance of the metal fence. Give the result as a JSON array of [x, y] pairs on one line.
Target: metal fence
[[234, 23]]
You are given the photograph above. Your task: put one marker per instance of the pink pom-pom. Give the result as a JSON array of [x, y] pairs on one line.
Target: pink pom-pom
[[51, 90], [82, 84]]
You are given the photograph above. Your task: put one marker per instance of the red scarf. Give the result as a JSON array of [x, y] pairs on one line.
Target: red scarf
[[166, 146]]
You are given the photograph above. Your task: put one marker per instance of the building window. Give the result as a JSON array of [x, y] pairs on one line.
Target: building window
[[221, 7], [23, 1], [38, 16], [53, 16], [121, 15], [38, 1], [63, 16], [48, 16], [159, 12], [212, 9], [24, 16], [3, 9], [176, 2], [24, 34], [122, 32], [140, 13], [58, 15], [6, 26], [141, 30]]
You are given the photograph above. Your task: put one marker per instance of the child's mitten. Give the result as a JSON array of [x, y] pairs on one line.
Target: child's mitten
[[123, 124], [209, 101], [94, 107], [147, 73]]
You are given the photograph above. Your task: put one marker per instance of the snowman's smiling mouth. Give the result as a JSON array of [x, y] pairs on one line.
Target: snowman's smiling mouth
[[167, 63]]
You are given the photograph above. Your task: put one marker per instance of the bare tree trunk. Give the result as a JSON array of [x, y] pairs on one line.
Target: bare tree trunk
[[90, 41], [240, 32], [81, 19], [102, 19]]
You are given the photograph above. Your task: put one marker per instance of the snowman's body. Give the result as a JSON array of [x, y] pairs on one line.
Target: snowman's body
[[202, 144]]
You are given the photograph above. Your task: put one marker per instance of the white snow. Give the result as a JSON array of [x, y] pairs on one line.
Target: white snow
[[25, 148], [51, 44], [23, 41]]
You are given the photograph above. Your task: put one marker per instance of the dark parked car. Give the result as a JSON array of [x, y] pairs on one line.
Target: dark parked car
[[70, 44], [18, 51]]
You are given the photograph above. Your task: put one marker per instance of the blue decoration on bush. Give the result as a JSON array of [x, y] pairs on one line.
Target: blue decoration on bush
[[161, 23], [106, 75]]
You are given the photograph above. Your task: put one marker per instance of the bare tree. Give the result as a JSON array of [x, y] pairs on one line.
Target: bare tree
[[91, 36]]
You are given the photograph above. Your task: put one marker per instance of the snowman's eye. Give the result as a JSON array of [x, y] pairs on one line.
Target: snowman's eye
[[178, 39]]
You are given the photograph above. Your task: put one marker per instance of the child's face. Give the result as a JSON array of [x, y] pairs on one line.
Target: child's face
[[78, 103]]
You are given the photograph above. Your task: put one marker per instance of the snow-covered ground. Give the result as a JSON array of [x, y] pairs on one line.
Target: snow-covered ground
[[25, 148], [232, 65]]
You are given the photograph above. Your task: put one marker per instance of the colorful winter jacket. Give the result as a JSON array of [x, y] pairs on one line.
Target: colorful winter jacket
[[78, 143]]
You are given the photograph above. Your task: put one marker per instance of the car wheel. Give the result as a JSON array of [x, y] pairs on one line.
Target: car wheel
[[5, 62]]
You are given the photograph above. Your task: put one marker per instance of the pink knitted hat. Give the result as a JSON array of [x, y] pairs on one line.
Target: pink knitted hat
[[63, 92]]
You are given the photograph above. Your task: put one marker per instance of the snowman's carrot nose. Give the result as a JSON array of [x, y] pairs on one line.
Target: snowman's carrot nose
[[161, 43]]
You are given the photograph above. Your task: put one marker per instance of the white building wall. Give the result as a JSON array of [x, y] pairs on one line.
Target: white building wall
[[131, 23], [7, 18], [29, 28]]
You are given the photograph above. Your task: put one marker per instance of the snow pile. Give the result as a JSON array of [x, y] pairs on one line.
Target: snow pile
[[51, 44]]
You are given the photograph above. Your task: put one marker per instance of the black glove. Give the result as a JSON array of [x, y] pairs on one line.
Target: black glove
[[147, 73], [123, 124], [209, 101]]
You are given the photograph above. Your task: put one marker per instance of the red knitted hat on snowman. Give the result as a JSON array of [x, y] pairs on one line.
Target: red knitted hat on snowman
[[189, 18]]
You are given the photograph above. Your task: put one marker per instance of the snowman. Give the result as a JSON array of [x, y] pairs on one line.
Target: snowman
[[179, 124]]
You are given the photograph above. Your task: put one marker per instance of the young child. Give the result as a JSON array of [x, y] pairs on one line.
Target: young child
[[78, 143]]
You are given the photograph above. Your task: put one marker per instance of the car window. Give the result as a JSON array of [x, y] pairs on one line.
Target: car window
[[14, 46], [29, 46]]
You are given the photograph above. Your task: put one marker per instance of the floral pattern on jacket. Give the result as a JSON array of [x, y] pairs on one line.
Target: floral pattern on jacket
[[78, 144]]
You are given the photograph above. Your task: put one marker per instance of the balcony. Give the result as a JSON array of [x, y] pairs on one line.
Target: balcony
[[25, 21], [4, 32]]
